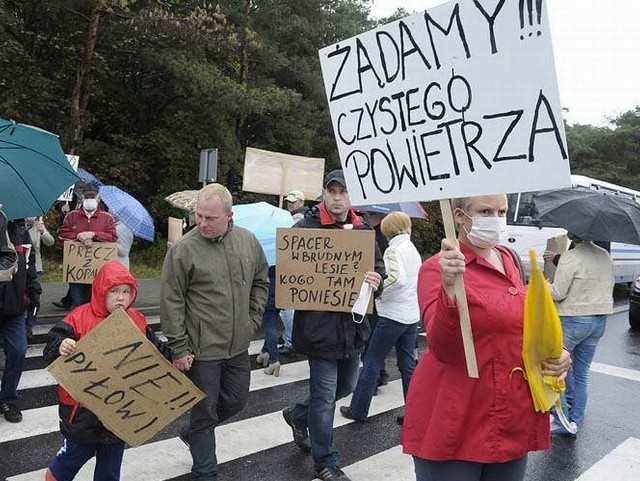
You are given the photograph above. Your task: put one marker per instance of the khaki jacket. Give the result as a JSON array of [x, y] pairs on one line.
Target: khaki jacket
[[213, 294], [583, 284]]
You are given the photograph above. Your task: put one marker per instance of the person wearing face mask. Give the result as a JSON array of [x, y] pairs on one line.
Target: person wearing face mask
[[462, 428], [39, 236], [87, 224]]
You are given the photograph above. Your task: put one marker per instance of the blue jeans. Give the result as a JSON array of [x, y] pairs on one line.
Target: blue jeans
[[79, 293], [581, 335], [72, 456], [32, 319], [287, 320], [270, 323], [387, 333], [14, 337], [329, 380]]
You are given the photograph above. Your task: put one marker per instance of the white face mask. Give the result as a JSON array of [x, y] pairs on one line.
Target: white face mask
[[90, 204], [487, 231]]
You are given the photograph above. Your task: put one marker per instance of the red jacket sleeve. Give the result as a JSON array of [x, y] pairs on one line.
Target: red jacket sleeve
[[440, 317], [66, 231]]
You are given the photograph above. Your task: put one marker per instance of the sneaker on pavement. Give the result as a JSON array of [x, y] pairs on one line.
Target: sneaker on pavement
[[300, 435], [348, 413], [331, 473], [558, 429], [11, 412], [60, 305], [285, 351]]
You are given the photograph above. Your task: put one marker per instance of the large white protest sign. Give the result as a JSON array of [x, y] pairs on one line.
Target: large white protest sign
[[459, 100], [67, 195]]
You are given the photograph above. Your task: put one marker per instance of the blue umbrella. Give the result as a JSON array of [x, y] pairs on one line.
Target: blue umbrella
[[88, 177], [412, 209], [33, 170], [128, 210], [263, 219]]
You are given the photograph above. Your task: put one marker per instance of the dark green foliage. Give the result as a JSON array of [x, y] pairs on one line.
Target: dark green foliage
[[169, 78]]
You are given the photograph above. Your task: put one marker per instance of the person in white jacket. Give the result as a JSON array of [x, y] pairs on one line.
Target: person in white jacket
[[39, 236], [398, 316], [583, 291]]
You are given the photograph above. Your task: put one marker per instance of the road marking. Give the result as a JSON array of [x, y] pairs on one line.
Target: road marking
[[45, 420], [41, 378], [621, 464], [616, 371], [386, 465], [169, 458]]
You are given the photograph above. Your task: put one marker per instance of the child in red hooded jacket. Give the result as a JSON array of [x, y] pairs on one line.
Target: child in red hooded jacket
[[85, 436]]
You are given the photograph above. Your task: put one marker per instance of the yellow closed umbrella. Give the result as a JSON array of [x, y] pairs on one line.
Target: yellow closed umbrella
[[542, 339]]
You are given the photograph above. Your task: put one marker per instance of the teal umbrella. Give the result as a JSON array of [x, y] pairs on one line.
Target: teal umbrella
[[263, 219], [33, 170]]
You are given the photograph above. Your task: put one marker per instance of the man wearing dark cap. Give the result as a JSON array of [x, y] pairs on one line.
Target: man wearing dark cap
[[332, 341], [87, 224]]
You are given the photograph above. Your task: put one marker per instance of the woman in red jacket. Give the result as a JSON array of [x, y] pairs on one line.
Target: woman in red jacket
[[459, 428]]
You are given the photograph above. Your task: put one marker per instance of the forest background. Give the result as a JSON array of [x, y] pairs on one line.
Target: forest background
[[137, 88]]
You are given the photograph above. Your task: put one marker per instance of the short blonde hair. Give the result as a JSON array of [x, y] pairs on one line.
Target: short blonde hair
[[461, 203], [217, 190], [394, 224]]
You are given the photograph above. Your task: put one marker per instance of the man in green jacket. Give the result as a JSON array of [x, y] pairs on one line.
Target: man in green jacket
[[213, 293]]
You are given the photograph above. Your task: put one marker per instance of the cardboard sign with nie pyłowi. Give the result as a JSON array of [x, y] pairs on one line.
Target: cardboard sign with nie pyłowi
[[119, 375]]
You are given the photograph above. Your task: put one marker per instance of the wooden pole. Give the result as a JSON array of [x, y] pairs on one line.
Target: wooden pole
[[461, 295]]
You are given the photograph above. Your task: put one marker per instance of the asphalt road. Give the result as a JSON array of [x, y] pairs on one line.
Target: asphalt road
[[256, 445]]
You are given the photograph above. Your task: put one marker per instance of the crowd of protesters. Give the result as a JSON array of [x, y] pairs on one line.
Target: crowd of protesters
[[217, 290]]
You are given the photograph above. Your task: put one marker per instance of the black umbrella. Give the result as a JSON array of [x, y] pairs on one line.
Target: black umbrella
[[591, 214]]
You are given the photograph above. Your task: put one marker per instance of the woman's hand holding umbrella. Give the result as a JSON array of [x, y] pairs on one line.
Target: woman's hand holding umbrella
[[558, 366]]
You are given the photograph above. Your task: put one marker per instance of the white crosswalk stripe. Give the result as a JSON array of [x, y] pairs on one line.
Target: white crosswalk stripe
[[243, 443]]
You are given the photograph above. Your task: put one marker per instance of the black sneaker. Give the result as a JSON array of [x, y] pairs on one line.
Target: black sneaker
[[300, 435], [11, 412], [61, 305], [331, 473], [348, 413], [285, 351]]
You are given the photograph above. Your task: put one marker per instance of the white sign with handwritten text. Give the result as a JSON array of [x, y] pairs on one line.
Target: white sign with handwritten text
[[456, 101]]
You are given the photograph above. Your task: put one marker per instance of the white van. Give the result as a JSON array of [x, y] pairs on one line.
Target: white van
[[525, 231]]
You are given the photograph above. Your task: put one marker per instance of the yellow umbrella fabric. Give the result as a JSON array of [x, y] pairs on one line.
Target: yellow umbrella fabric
[[542, 339]]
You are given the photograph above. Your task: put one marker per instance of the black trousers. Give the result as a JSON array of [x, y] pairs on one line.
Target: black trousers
[[226, 384]]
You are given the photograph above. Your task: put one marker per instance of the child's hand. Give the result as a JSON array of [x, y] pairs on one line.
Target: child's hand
[[67, 346]]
